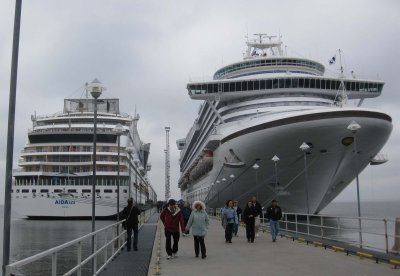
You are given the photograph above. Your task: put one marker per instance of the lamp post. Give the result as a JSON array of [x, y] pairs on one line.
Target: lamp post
[[304, 147], [95, 88], [130, 151], [275, 159], [256, 167], [119, 130], [232, 176], [354, 127], [217, 189]]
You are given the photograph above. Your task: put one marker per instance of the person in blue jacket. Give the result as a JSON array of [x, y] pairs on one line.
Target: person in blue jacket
[[199, 222], [229, 219]]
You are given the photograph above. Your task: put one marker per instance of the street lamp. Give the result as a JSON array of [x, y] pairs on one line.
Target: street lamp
[[256, 167], [232, 176], [354, 127], [304, 147], [95, 88], [275, 159], [118, 130]]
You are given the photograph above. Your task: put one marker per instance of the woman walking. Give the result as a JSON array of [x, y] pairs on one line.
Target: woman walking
[[229, 217], [249, 215], [198, 221]]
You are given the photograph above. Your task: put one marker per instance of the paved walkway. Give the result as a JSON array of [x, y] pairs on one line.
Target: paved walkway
[[135, 262], [263, 257]]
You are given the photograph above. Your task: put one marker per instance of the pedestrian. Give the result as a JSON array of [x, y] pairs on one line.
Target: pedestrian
[[229, 218], [186, 211], [258, 210], [249, 219], [238, 212], [131, 213], [199, 222], [274, 213], [172, 217]]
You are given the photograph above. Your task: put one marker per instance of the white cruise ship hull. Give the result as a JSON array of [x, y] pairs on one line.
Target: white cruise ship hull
[[65, 207], [331, 165]]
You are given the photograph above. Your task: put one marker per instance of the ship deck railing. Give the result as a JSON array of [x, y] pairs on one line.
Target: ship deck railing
[[377, 234], [108, 244]]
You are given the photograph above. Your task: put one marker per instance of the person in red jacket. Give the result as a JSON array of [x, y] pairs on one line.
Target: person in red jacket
[[172, 217]]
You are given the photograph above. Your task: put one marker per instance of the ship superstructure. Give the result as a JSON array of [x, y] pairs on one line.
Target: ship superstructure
[[269, 104], [56, 166]]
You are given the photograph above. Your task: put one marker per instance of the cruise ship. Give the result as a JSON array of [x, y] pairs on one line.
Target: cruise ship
[[277, 127], [55, 174]]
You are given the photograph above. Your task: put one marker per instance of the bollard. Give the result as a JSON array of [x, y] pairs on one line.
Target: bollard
[[396, 246]]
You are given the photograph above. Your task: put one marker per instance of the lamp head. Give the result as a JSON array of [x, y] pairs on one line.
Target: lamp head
[[96, 88], [275, 158], [232, 175], [353, 126], [304, 146], [256, 166]]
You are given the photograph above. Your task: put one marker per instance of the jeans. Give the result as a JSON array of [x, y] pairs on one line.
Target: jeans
[[129, 230], [250, 231], [228, 232], [199, 242], [175, 236], [274, 228]]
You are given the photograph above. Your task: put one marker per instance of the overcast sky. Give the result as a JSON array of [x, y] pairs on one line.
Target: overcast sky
[[145, 52]]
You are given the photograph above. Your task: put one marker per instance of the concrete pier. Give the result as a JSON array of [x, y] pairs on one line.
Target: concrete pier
[[263, 257]]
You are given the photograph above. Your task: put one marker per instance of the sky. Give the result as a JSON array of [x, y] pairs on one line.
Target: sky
[[145, 52]]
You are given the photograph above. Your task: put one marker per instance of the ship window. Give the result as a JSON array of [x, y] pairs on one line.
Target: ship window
[[312, 83], [307, 83], [262, 84], [244, 86], [323, 84], [86, 191], [380, 86], [25, 191], [353, 86], [33, 190], [348, 86], [125, 191], [108, 191], [357, 86], [17, 191], [250, 85], [226, 87], [281, 83], [232, 87], [362, 86], [57, 190], [295, 83], [301, 83], [215, 87], [44, 190], [238, 85], [318, 84], [209, 88], [336, 85], [328, 84], [97, 190], [288, 83], [275, 83], [269, 84], [72, 191], [257, 85]]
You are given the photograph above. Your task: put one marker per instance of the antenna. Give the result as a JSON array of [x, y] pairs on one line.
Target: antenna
[[167, 164]]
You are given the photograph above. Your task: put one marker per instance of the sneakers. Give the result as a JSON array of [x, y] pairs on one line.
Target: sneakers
[[184, 234], [203, 257], [169, 257], [174, 255]]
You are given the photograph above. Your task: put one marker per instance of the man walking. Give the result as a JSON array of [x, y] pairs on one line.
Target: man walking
[[257, 210], [131, 213], [172, 217], [274, 213]]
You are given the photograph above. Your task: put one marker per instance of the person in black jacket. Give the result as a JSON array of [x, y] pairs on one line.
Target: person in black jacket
[[131, 213], [274, 213], [249, 215]]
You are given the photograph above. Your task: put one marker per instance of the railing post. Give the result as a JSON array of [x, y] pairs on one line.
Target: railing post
[[322, 227], [106, 248], [308, 225], [79, 258], [386, 236], [286, 223], [95, 254], [113, 239], [54, 264], [295, 219], [338, 226]]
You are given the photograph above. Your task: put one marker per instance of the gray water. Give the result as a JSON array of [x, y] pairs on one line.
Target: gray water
[[29, 237]]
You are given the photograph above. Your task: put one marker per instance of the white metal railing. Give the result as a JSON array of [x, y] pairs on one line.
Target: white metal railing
[[377, 233], [115, 244]]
